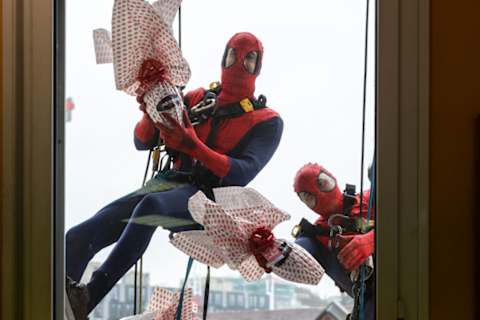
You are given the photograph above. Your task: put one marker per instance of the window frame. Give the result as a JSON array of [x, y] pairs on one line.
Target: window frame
[[33, 95], [403, 55]]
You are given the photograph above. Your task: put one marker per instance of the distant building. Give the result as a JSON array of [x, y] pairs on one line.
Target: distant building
[[269, 293], [230, 298], [334, 311], [119, 301], [291, 314]]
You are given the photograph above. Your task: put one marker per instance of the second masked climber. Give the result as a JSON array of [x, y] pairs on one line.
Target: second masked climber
[[229, 148], [351, 243]]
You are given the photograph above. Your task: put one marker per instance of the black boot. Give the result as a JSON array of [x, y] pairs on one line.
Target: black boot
[[78, 297]]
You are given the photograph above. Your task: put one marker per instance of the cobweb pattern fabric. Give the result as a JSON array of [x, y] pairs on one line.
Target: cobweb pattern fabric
[[228, 225], [103, 46], [163, 306]]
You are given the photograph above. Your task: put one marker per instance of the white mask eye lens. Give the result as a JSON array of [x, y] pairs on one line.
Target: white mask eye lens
[[250, 61], [230, 58], [325, 182], [308, 199]]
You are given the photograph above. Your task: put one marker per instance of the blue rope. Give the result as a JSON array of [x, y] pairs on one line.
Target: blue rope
[[371, 200], [182, 293]]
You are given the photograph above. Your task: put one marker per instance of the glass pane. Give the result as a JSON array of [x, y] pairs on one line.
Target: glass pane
[[100, 158], [312, 75]]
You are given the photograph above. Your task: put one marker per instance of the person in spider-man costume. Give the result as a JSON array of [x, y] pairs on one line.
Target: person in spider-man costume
[[228, 149], [318, 189]]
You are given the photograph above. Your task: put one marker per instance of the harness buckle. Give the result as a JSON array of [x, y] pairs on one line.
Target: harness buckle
[[334, 231], [215, 85], [247, 105], [297, 229], [156, 158], [199, 112]]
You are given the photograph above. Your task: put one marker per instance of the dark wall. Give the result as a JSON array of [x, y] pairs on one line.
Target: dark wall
[[455, 104]]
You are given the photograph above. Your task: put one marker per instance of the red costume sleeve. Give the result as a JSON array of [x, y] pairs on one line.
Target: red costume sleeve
[[145, 133], [194, 97]]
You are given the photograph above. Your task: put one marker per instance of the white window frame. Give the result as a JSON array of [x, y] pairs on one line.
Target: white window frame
[[403, 159], [32, 206]]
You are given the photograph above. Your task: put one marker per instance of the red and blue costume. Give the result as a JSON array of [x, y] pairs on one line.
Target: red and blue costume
[[237, 151], [319, 190]]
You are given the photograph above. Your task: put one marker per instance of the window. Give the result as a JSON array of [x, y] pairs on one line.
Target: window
[[305, 81], [384, 14], [261, 302], [241, 300]]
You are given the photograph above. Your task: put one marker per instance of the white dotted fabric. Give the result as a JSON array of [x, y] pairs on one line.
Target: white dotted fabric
[[167, 10], [138, 34], [163, 306], [165, 302], [142, 31], [103, 46], [152, 98], [229, 223]]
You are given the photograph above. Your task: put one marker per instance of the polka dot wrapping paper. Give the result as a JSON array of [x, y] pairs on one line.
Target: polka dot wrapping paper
[[142, 32], [163, 306], [229, 224]]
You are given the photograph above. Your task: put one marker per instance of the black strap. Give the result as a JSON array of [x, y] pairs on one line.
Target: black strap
[[235, 109], [230, 111], [348, 199], [212, 135], [312, 230]]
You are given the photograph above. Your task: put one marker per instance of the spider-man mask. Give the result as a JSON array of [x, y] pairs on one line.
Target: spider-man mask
[[318, 189], [241, 65]]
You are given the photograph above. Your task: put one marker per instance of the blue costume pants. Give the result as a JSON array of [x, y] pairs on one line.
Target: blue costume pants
[[328, 260], [111, 224]]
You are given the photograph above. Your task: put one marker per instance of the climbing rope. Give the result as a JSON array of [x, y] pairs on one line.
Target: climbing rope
[[141, 262], [182, 292], [158, 165], [359, 287]]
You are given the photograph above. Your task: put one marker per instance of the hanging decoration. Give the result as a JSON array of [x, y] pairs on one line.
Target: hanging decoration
[[147, 60], [164, 304], [238, 231]]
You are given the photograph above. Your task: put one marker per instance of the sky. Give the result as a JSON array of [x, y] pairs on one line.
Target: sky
[[312, 75]]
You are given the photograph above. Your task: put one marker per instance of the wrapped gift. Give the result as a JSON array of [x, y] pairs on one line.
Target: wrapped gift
[[164, 304], [102, 41], [147, 60], [238, 231]]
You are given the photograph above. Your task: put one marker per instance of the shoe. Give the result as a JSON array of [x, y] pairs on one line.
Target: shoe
[[78, 297]]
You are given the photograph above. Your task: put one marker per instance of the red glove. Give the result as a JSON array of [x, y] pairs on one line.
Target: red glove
[[185, 140], [145, 129], [356, 249]]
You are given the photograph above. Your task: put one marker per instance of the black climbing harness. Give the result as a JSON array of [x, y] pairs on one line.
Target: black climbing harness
[[337, 224]]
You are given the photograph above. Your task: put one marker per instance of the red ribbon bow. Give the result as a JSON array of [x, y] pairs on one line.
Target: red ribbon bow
[[151, 72], [261, 240]]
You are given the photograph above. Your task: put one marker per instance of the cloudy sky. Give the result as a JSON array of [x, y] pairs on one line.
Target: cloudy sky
[[312, 75]]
